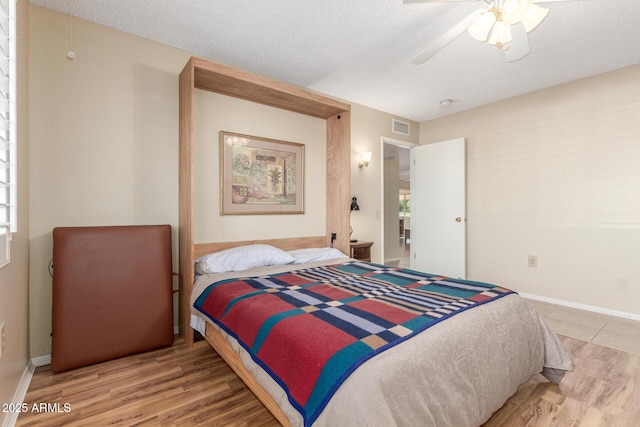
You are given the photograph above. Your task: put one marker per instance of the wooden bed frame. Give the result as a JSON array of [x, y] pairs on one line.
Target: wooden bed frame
[[284, 244], [206, 75], [222, 346]]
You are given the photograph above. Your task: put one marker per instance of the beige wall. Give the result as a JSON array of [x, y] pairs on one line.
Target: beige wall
[[391, 222], [14, 277], [103, 151], [213, 113], [368, 126], [556, 174], [104, 132]]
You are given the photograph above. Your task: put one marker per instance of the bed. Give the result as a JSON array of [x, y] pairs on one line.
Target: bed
[[472, 362], [478, 344]]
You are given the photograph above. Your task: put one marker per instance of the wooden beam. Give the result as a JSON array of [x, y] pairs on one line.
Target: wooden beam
[[219, 78], [185, 197], [230, 81], [339, 178]]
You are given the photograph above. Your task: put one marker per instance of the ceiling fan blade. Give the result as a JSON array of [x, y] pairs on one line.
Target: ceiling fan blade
[[447, 38], [554, 1], [440, 1], [470, 1], [519, 45]]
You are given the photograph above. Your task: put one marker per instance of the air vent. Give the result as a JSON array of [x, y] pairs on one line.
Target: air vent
[[400, 127]]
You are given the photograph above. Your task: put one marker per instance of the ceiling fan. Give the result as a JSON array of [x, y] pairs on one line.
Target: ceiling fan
[[502, 23]]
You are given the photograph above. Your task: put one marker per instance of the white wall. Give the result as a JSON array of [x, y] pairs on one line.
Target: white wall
[[556, 174]]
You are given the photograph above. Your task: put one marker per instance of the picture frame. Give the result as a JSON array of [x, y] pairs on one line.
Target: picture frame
[[260, 176]]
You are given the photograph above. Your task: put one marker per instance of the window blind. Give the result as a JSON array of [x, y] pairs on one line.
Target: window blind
[[8, 126]]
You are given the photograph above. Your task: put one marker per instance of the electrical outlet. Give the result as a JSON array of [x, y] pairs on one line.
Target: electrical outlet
[[1, 339], [533, 261]]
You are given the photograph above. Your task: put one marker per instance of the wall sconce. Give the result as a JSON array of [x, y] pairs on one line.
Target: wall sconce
[[366, 158]]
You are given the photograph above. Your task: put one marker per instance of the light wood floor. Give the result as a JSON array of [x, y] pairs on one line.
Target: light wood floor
[[175, 386], [182, 387]]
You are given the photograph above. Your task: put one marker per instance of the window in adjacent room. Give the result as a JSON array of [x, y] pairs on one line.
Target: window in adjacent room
[[8, 125], [405, 215]]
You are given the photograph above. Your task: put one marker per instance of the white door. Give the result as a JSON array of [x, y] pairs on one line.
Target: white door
[[438, 223]]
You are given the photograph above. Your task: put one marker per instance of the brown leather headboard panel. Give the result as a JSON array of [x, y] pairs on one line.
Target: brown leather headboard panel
[[112, 293]]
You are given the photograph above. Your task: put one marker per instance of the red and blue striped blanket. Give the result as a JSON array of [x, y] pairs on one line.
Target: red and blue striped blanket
[[310, 328]]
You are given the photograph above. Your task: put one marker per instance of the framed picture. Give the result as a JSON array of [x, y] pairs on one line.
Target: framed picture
[[260, 175]]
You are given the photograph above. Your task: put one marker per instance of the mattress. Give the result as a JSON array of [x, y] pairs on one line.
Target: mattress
[[455, 372]]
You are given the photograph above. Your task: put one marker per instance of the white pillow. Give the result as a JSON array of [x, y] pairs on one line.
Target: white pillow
[[315, 254], [242, 258]]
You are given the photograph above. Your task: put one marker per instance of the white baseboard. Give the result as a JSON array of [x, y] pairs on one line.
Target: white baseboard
[[46, 359], [388, 260], [18, 397], [41, 360], [585, 307]]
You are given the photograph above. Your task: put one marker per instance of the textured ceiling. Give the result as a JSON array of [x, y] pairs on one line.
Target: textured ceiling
[[361, 50]]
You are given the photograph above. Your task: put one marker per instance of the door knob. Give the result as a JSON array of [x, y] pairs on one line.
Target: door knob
[[458, 219]]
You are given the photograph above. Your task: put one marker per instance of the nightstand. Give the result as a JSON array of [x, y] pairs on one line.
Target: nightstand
[[361, 250]]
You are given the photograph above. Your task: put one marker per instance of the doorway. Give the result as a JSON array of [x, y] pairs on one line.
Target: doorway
[[396, 196], [404, 241]]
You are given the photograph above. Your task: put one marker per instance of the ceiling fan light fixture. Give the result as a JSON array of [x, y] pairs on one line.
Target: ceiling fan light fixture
[[535, 15], [513, 11], [503, 23], [479, 30], [501, 34]]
